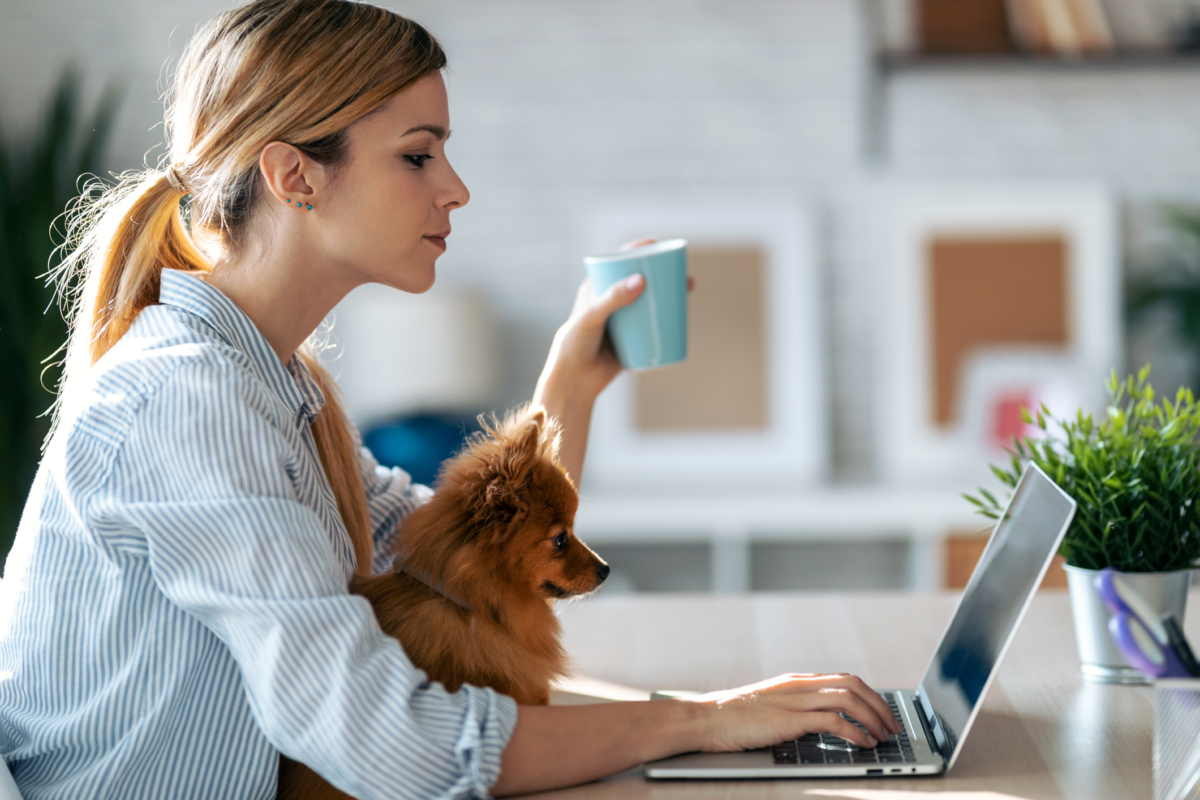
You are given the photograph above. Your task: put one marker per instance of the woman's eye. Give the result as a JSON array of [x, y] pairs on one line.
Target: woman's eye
[[560, 541], [418, 160]]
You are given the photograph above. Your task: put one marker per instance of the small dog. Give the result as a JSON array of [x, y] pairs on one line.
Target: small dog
[[478, 566]]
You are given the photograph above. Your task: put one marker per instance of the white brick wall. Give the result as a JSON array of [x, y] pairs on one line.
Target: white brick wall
[[561, 106]]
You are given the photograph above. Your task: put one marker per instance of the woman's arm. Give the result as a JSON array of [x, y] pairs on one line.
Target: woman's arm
[[555, 746], [581, 363]]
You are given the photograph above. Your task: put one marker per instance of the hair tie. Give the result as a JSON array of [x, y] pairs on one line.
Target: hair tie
[[176, 180]]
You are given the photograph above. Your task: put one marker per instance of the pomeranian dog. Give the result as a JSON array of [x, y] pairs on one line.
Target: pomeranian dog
[[479, 564]]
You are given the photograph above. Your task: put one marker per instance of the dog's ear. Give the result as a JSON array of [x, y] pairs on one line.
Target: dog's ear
[[497, 501], [551, 435]]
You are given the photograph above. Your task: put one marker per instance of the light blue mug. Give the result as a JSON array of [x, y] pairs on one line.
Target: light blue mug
[[652, 330]]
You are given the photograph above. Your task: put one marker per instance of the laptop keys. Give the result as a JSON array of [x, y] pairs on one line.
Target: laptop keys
[[786, 753]]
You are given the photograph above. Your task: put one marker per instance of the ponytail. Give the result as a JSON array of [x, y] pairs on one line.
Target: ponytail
[[119, 240], [339, 457], [146, 240]]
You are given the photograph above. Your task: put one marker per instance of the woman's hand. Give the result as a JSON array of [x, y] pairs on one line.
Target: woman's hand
[[582, 362], [790, 706], [555, 746]]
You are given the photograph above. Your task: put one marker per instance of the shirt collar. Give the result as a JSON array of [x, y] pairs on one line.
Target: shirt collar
[[293, 384]]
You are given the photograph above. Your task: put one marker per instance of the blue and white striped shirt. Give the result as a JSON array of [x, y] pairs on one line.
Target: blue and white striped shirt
[[174, 611]]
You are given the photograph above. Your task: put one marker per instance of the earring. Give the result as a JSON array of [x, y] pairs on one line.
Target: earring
[[310, 206], [289, 201]]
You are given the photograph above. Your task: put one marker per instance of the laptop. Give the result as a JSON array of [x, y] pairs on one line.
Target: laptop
[[936, 716]]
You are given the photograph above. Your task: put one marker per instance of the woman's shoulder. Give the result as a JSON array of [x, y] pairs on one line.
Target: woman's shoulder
[[165, 358]]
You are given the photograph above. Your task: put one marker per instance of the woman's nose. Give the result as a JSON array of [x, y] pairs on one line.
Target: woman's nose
[[455, 194]]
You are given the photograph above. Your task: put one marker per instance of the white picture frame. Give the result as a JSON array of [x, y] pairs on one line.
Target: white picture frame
[[911, 448], [792, 449]]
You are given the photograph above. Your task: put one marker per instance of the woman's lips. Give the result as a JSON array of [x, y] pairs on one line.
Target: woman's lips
[[437, 241]]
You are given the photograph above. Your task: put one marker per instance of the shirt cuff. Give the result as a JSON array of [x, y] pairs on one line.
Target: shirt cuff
[[489, 723]]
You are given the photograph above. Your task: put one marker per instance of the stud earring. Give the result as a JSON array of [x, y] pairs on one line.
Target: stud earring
[[310, 206], [289, 201]]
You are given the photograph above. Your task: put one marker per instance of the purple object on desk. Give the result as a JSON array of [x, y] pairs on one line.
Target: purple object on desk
[[1137, 629]]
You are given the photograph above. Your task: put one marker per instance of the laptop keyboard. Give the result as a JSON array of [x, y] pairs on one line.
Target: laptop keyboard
[[825, 748]]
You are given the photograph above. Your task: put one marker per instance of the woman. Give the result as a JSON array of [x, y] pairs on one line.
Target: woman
[[176, 612]]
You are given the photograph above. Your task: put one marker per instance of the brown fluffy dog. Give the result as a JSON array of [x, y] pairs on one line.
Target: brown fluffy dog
[[496, 538]]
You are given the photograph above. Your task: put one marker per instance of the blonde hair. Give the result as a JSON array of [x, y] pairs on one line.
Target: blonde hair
[[296, 71]]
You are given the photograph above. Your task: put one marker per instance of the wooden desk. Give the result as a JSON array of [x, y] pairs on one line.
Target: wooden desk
[[1043, 731]]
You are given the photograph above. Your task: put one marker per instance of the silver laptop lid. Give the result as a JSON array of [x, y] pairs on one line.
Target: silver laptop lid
[[1009, 572]]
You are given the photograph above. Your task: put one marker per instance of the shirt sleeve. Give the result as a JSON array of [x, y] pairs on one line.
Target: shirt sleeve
[[391, 496], [230, 544]]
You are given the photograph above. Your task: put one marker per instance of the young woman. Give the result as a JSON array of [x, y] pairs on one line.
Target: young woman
[[175, 608]]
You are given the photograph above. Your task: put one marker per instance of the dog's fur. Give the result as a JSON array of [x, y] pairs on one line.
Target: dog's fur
[[498, 533]]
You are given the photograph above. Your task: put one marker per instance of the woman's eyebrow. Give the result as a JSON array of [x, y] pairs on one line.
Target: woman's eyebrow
[[438, 131]]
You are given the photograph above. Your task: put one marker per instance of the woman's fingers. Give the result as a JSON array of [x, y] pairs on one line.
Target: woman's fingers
[[873, 699], [845, 700], [837, 699], [619, 295], [878, 707], [832, 722], [635, 243], [764, 724], [792, 705]]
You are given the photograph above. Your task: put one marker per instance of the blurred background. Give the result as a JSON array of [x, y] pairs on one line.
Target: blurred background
[[912, 217]]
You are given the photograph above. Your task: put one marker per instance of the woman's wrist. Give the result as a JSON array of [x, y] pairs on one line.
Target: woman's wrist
[[555, 746], [574, 417], [549, 394], [563, 393], [693, 725]]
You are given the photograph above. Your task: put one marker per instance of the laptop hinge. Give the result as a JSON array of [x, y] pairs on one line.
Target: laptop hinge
[[929, 737]]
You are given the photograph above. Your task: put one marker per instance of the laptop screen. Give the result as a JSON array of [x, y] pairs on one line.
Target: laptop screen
[[1001, 587]]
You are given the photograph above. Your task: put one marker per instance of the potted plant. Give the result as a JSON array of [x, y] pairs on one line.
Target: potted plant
[[38, 178], [1136, 478]]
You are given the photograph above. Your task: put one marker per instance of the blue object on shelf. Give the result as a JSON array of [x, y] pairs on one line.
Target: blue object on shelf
[[418, 444]]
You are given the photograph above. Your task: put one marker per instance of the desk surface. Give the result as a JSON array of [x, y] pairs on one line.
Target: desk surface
[[1043, 731]]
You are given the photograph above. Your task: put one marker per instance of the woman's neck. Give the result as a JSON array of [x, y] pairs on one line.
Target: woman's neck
[[285, 296]]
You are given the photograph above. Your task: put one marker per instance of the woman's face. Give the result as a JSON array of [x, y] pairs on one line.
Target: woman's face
[[386, 216]]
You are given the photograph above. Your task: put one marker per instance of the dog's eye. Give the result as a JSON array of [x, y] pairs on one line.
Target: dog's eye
[[560, 541]]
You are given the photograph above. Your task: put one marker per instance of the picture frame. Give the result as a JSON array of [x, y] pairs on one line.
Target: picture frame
[[913, 447], [790, 447]]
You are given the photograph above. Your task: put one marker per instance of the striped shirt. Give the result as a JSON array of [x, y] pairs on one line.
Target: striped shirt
[[174, 612]]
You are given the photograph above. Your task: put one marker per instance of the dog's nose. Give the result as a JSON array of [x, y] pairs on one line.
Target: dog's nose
[[602, 572]]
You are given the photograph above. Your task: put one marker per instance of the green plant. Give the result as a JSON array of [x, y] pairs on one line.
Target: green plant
[[37, 181], [1135, 476]]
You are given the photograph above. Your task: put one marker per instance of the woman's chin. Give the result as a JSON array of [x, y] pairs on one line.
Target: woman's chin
[[424, 285], [412, 280]]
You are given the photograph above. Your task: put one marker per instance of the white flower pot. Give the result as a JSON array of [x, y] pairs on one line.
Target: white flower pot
[[1099, 655]]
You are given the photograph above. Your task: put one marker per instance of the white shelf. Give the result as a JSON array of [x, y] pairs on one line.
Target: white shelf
[[835, 513], [731, 519]]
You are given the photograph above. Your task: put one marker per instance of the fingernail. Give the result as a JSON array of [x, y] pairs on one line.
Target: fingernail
[[871, 741], [633, 281]]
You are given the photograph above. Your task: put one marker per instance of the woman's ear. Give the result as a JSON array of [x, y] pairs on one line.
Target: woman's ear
[[289, 174]]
